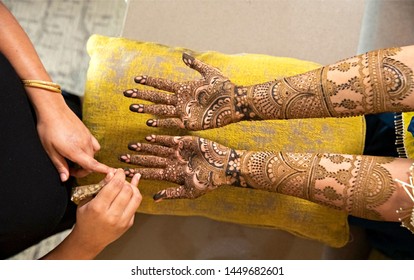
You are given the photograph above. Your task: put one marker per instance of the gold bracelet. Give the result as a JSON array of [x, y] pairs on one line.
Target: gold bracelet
[[50, 86]]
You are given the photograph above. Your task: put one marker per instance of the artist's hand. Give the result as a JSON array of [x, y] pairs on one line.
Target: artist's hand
[[110, 214], [64, 136], [193, 105], [197, 165]]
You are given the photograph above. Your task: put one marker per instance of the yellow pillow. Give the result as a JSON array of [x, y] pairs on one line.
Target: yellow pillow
[[407, 145], [116, 61]]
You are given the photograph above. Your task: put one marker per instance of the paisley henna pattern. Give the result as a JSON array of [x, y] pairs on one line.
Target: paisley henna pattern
[[375, 187], [356, 184], [196, 164], [194, 105], [370, 83], [373, 82]]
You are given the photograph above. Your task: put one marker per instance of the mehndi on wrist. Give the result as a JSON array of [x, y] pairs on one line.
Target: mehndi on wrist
[[233, 170], [50, 86], [243, 104]]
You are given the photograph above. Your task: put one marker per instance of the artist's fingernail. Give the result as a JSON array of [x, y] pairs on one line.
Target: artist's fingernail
[[110, 174], [63, 177]]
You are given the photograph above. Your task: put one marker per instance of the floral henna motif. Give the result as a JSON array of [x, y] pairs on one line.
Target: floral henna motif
[[370, 83], [373, 82], [375, 187], [356, 184], [197, 165], [194, 105]]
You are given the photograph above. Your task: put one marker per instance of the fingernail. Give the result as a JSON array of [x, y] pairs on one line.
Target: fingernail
[[128, 172], [159, 196], [136, 108], [152, 123], [129, 93], [63, 177], [110, 174], [125, 158], [140, 79], [150, 138], [134, 146], [188, 59]]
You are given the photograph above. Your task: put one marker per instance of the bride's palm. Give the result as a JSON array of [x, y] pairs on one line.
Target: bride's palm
[[193, 105]]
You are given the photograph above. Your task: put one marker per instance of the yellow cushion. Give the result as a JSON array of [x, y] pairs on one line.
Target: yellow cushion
[[116, 61], [407, 137]]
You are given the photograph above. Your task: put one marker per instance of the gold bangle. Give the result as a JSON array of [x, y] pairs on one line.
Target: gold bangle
[[50, 86]]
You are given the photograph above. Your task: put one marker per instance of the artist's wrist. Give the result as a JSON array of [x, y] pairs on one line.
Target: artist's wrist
[[44, 101]]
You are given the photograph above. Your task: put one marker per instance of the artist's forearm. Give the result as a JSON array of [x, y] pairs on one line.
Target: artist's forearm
[[16, 46], [375, 82], [363, 186], [74, 248]]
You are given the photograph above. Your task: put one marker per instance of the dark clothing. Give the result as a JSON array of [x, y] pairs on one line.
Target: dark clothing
[[380, 135], [33, 201], [389, 238]]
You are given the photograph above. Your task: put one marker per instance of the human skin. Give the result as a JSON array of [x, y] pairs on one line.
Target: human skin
[[101, 220], [374, 82], [107, 216], [363, 186], [62, 133]]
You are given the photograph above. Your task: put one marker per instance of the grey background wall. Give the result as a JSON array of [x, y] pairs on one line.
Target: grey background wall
[[322, 31]]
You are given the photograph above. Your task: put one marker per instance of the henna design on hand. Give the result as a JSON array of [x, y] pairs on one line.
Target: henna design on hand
[[197, 165], [195, 105], [369, 83], [357, 184]]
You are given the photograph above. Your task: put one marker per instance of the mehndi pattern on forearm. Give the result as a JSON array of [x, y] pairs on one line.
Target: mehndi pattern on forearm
[[294, 97], [356, 184], [373, 186], [370, 83]]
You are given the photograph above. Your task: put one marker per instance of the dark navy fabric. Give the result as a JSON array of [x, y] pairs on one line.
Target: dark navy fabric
[[389, 238]]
